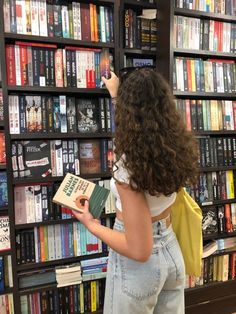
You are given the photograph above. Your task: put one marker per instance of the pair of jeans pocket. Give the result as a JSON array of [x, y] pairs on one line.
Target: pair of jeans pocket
[[176, 255], [140, 280]]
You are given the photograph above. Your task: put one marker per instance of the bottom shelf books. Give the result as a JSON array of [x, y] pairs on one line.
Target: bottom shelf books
[[85, 297], [6, 304]]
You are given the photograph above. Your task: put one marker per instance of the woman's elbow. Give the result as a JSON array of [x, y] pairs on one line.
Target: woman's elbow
[[142, 256]]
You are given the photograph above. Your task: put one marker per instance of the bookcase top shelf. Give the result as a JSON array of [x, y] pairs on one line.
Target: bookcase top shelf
[[58, 90], [203, 53], [5, 252], [32, 266], [218, 202], [28, 136], [60, 41], [208, 15], [219, 168], [204, 95], [214, 133], [133, 51], [218, 236]]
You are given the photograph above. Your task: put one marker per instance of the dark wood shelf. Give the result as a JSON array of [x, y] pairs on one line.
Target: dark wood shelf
[[3, 208], [32, 266], [3, 167], [134, 51], [207, 15], [39, 288], [58, 90], [218, 236], [140, 4], [59, 41], [1, 124], [58, 179], [218, 202], [7, 291], [6, 252], [203, 53], [215, 133], [27, 136], [204, 95], [55, 222], [219, 168]]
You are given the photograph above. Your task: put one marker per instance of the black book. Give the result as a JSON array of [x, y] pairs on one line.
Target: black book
[[210, 221], [36, 158], [87, 115], [71, 115], [35, 61]]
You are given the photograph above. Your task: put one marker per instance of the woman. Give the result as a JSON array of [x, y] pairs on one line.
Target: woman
[[155, 157]]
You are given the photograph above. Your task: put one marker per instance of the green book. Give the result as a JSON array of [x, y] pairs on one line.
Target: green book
[[74, 191]]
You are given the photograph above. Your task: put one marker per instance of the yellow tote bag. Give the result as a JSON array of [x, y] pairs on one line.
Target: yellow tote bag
[[186, 219]]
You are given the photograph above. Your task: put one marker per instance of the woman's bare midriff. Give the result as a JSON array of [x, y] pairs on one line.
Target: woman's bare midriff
[[163, 215]]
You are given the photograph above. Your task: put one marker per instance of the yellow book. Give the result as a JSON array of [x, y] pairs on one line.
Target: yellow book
[[214, 116], [45, 232], [219, 268], [230, 184], [81, 297], [225, 267], [214, 269], [93, 296], [193, 78]]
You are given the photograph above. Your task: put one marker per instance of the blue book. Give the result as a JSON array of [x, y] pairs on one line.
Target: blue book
[[1, 274], [3, 189]]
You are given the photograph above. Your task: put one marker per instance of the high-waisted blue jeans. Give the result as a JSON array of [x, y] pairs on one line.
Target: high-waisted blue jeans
[[156, 286]]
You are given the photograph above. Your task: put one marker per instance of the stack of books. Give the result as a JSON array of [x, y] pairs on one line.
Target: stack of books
[[94, 268], [68, 275]]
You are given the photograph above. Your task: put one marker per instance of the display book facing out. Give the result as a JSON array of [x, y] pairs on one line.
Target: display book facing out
[[74, 191]]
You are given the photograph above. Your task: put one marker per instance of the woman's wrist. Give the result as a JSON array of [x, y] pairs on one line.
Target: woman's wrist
[[114, 100]]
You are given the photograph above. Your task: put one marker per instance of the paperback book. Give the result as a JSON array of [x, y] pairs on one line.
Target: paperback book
[[74, 191]]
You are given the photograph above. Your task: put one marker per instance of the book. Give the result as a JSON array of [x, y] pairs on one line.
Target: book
[[74, 191], [105, 63], [209, 249], [4, 233]]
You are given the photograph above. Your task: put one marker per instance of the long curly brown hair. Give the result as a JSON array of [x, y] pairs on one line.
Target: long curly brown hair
[[160, 154]]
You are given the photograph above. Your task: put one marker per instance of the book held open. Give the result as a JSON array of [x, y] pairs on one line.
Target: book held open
[[74, 191]]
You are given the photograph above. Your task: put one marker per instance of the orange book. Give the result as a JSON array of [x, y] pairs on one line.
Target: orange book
[[228, 221], [41, 237], [2, 148], [91, 11], [190, 88], [95, 23]]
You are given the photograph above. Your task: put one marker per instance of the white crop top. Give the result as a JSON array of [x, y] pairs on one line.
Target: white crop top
[[157, 204]]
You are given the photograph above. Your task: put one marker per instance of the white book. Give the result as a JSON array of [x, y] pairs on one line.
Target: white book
[[11, 303], [10, 277], [34, 17], [36, 245], [229, 116], [20, 17], [64, 67], [43, 27], [38, 203], [7, 20], [16, 115], [28, 17], [59, 159], [11, 114], [62, 100], [57, 237], [65, 21], [76, 157], [17, 65], [211, 35], [102, 23], [75, 19], [30, 203], [51, 243], [81, 64]]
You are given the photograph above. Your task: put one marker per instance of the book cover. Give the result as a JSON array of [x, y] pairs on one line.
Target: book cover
[[105, 63], [90, 156], [87, 115], [4, 233], [74, 191]]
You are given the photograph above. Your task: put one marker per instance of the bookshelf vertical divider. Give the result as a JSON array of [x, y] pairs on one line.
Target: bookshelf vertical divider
[[10, 187]]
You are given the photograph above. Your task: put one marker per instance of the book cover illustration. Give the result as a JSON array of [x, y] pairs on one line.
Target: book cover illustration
[[4, 233], [87, 115], [210, 222], [90, 157], [36, 158], [105, 63], [74, 191]]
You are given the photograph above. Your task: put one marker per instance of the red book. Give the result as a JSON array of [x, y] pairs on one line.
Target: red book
[[23, 66], [23, 43], [11, 66], [2, 148], [85, 21]]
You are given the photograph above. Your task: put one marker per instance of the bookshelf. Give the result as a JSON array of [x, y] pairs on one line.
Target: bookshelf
[[213, 297], [93, 93]]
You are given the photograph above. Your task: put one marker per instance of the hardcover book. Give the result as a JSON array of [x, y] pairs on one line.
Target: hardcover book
[[90, 157], [74, 191], [87, 115], [105, 63]]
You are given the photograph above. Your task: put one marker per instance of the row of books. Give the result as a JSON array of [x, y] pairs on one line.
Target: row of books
[[86, 297], [1, 104], [217, 151], [194, 33], [214, 268], [36, 64], [53, 242], [59, 114], [94, 268], [219, 219], [44, 158], [33, 203], [80, 21], [3, 189], [212, 75], [207, 115], [139, 33], [6, 304], [6, 280], [213, 186], [214, 6]]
